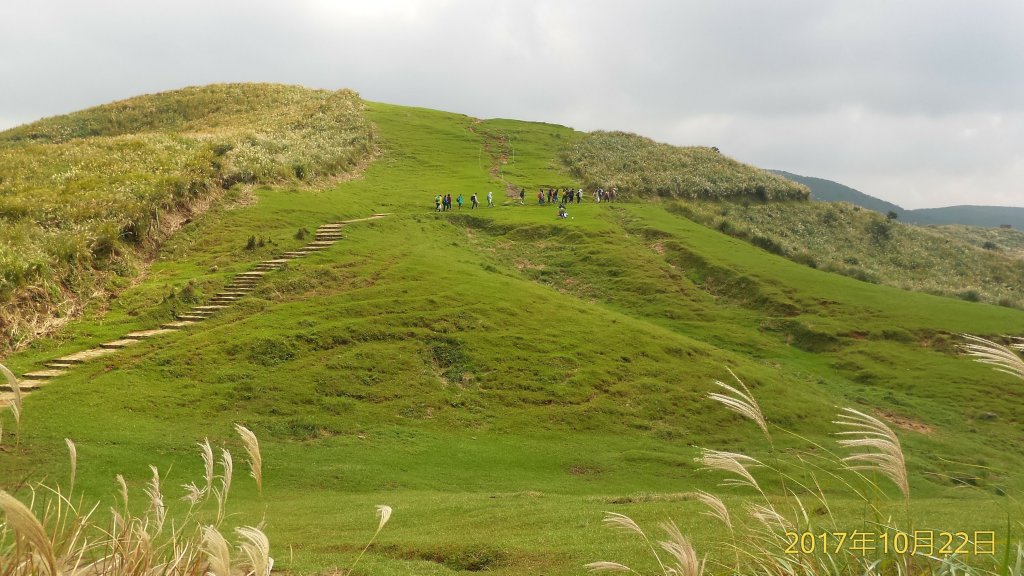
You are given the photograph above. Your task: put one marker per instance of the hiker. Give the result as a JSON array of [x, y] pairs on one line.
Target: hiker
[[540, 197], [474, 201], [459, 200], [437, 202], [522, 196], [448, 202], [579, 196], [490, 199], [561, 211]]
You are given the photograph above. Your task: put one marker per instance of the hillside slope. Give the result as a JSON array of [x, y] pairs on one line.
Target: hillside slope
[[639, 166], [83, 196], [828, 191], [502, 376]]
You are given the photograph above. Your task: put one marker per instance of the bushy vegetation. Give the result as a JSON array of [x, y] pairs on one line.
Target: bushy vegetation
[[639, 166], [863, 244], [1009, 241], [78, 193]]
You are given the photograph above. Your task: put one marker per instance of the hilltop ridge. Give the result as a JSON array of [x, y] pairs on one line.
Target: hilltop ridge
[[981, 216]]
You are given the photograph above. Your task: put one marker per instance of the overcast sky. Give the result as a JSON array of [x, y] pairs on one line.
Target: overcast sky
[[919, 102]]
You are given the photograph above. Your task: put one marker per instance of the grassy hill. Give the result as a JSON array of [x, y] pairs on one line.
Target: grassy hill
[[501, 377], [638, 166], [863, 244], [83, 195]]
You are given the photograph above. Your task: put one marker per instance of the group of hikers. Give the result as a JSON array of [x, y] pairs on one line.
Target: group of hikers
[[444, 203], [545, 195], [563, 196]]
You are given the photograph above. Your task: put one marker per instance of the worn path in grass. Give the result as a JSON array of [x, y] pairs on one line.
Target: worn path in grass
[[501, 376]]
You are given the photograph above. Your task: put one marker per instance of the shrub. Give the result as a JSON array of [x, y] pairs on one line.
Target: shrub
[[639, 166], [970, 295]]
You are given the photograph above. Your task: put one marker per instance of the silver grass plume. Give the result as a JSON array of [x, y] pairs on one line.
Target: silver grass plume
[[28, 529], [742, 402], [12, 381], [256, 547], [876, 445], [608, 567], [124, 490], [988, 352], [621, 521], [156, 499], [252, 448], [716, 508], [218, 555], [731, 462], [679, 547], [384, 514], [207, 451], [73, 454]]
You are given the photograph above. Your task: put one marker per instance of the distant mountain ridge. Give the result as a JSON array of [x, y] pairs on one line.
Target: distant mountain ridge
[[983, 216]]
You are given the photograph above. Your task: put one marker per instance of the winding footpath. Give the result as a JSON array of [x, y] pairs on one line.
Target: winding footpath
[[326, 236]]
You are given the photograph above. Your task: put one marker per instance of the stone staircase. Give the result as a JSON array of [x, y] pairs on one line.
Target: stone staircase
[[243, 283]]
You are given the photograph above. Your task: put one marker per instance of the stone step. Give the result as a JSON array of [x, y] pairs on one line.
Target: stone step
[[59, 365], [291, 255], [323, 243], [23, 386], [44, 374], [250, 274], [275, 261], [236, 293], [177, 324], [225, 300], [203, 313], [148, 333], [332, 226], [210, 308], [6, 399], [118, 344], [268, 267], [190, 318], [84, 355]]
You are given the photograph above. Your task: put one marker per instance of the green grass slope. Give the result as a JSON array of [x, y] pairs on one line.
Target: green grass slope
[[83, 195], [863, 244], [501, 377]]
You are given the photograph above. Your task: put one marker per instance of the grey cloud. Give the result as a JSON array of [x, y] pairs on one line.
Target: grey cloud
[[778, 84]]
